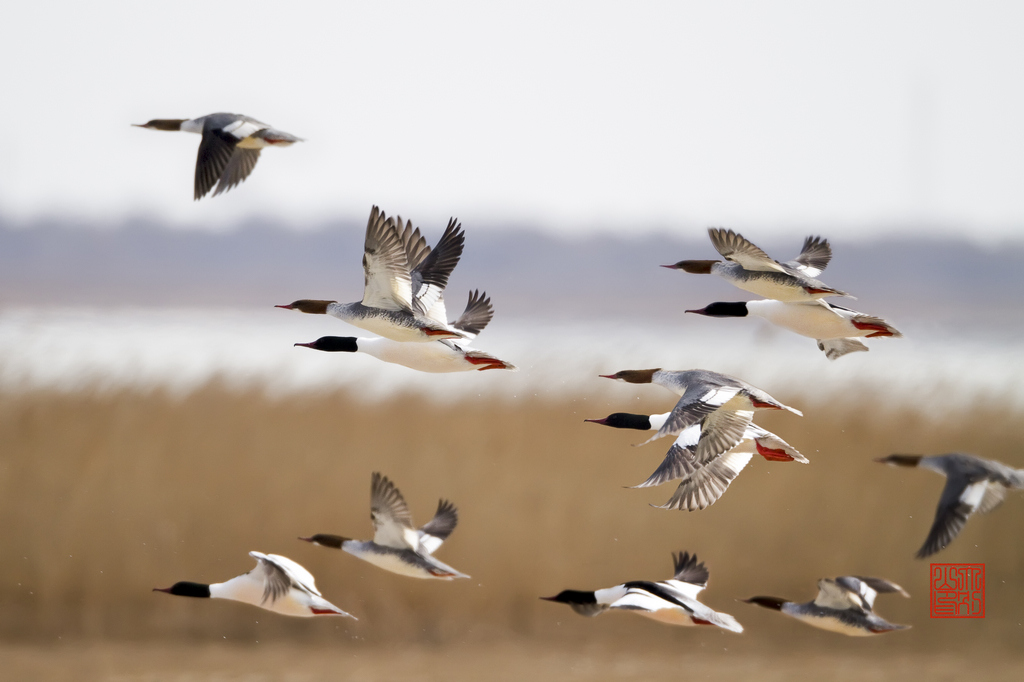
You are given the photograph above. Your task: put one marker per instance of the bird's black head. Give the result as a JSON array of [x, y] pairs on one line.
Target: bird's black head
[[162, 124], [186, 589], [573, 597], [325, 540], [624, 420], [333, 344], [768, 602], [719, 309], [900, 460]]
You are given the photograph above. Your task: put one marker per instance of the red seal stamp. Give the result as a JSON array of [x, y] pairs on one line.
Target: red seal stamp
[[957, 590]]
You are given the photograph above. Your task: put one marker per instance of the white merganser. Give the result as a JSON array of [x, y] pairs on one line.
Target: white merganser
[[277, 584], [722, 404], [229, 149], [396, 545], [702, 485], [972, 484], [833, 327], [672, 601], [843, 605], [751, 269], [438, 356], [401, 299]]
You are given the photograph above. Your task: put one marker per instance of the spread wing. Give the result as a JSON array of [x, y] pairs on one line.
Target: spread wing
[[813, 258], [707, 483], [721, 431], [437, 530], [689, 571], [679, 462], [476, 316], [734, 247], [215, 152], [958, 501], [869, 588], [238, 169], [698, 401], [994, 495], [388, 284], [392, 522], [430, 275], [835, 595], [415, 244]]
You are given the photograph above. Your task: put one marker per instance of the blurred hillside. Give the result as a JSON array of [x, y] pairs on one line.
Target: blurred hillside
[[528, 273]]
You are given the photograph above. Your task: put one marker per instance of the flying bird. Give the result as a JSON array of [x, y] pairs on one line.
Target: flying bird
[[836, 329], [751, 269], [276, 584], [722, 404], [447, 355], [672, 601], [229, 149], [972, 484], [844, 605], [702, 484], [404, 283], [397, 546]]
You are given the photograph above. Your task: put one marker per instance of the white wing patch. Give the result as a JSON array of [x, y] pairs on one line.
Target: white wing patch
[[973, 494], [388, 284], [243, 129], [833, 596], [688, 411], [994, 496], [297, 573]]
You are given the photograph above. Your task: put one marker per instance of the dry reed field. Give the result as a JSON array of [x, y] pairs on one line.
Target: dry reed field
[[104, 496]]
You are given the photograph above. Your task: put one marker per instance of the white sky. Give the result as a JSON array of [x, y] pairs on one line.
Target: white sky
[[572, 116]]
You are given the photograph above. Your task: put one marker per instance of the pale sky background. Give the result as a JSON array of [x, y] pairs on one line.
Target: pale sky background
[[573, 117]]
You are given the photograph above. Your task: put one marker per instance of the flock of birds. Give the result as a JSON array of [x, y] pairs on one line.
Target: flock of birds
[[715, 437]]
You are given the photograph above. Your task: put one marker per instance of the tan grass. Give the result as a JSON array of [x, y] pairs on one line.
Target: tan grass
[[103, 497]]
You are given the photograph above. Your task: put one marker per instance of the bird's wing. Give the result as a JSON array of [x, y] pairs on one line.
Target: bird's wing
[[641, 600], [388, 284], [994, 495], [734, 247], [678, 463], [392, 522], [437, 530], [215, 152], [649, 597], [238, 169], [243, 127], [721, 431], [430, 276], [958, 501], [869, 588], [415, 244], [299, 576], [837, 594], [687, 570], [813, 258], [704, 486], [276, 579], [698, 401], [476, 316]]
